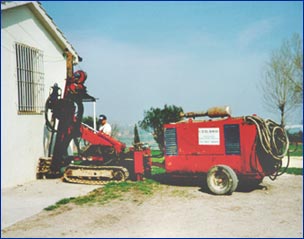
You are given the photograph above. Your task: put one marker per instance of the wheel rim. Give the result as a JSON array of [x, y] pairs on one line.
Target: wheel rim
[[219, 180]]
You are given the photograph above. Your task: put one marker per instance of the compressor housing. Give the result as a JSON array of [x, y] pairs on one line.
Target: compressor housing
[[228, 149]]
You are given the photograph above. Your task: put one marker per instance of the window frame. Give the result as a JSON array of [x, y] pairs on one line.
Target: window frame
[[30, 79]]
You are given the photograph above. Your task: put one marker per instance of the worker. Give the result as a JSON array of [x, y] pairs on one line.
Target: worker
[[105, 127]]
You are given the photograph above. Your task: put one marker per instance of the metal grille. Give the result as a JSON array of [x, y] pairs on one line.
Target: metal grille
[[30, 78], [170, 141], [232, 139]]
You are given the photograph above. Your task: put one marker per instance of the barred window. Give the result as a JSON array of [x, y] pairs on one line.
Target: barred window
[[30, 79]]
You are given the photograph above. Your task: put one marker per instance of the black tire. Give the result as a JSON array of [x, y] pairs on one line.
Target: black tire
[[222, 180]]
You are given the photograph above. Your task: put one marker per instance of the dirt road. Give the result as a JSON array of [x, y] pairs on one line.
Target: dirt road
[[178, 211]]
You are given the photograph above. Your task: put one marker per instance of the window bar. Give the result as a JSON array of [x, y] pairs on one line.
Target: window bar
[[26, 80], [41, 80], [31, 86], [38, 83], [30, 79], [36, 97], [18, 74], [38, 100], [22, 78], [36, 61], [33, 105], [24, 97]]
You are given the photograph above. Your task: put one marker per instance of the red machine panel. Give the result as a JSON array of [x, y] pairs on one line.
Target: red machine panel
[[99, 138], [196, 146]]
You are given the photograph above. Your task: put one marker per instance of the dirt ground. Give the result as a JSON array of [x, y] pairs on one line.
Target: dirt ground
[[179, 209]]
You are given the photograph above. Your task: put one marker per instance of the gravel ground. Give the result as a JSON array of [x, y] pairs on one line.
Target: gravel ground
[[274, 209], [295, 162], [26, 200]]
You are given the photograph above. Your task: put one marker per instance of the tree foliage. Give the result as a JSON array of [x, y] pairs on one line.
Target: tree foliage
[[295, 137], [155, 118], [282, 85], [88, 120]]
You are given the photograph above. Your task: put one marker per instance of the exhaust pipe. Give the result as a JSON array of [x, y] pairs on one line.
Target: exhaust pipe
[[221, 111]]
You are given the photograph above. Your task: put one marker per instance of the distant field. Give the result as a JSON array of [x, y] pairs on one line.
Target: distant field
[[296, 150], [155, 152]]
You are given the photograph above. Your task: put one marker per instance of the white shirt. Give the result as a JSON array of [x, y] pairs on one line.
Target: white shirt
[[106, 128]]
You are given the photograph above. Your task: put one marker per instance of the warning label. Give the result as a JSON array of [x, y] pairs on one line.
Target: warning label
[[209, 136]]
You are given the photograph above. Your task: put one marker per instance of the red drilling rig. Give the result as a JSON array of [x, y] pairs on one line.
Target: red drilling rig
[[104, 158]]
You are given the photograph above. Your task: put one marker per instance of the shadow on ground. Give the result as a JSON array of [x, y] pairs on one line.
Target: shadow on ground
[[200, 181]]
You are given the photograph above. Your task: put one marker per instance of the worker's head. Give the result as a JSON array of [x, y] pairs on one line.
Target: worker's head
[[102, 119]]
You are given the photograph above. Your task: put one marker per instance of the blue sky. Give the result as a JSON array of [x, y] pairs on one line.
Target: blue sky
[[191, 54]]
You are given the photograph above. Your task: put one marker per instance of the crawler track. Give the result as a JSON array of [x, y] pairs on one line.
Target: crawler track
[[96, 175]]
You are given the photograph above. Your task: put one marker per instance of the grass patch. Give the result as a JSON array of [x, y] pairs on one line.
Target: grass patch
[[52, 207], [109, 192], [157, 170], [294, 171], [156, 156], [115, 190], [155, 152], [59, 203], [158, 160]]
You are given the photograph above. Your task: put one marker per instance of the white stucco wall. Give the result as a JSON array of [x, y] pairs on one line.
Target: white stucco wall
[[22, 135]]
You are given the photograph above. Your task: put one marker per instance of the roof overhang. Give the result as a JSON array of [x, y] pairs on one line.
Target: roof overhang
[[46, 21]]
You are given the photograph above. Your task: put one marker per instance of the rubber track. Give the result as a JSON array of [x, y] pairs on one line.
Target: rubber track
[[94, 181]]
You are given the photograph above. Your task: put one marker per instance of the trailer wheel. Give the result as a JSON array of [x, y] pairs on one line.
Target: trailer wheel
[[221, 180]]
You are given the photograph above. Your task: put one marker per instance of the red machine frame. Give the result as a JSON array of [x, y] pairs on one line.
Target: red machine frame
[[112, 156], [194, 157]]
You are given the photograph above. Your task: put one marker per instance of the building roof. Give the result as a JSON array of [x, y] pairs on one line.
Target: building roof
[[46, 21]]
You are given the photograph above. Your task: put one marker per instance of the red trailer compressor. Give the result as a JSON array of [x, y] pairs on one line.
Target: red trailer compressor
[[227, 148]]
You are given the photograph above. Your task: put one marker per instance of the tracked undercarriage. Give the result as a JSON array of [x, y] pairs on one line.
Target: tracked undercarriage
[[98, 175]]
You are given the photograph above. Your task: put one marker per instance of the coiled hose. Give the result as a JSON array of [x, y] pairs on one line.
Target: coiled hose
[[273, 140]]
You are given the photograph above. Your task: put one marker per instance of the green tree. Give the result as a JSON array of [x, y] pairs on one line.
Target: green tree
[[282, 85], [88, 120], [155, 118], [296, 57], [115, 130], [295, 137]]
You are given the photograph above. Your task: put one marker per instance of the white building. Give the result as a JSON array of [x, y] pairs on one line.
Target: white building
[[32, 61]]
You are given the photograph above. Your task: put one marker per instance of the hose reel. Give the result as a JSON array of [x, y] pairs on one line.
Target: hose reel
[[273, 141]]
